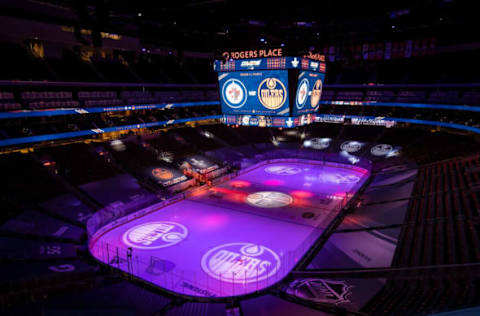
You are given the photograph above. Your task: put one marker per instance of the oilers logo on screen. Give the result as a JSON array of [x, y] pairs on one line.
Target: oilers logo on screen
[[316, 93], [269, 199], [155, 235], [240, 262], [351, 146], [302, 93], [272, 93], [234, 93], [283, 170]]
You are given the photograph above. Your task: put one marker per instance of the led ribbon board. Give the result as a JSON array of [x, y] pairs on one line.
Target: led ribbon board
[[269, 121]]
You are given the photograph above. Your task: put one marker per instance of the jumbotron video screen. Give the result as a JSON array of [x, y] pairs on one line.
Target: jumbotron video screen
[[284, 87]]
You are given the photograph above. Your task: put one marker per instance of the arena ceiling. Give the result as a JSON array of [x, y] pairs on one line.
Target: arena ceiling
[[218, 24]]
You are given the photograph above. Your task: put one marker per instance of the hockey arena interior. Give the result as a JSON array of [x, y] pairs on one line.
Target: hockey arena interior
[[239, 158]]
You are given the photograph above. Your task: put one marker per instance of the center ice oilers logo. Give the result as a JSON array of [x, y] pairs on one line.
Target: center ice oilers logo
[[272, 93], [316, 93], [283, 170], [269, 199], [155, 235], [351, 146], [381, 149], [234, 93], [240, 262], [302, 93]]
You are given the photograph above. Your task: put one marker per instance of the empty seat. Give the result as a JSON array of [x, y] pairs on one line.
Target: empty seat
[[6, 95], [349, 96], [410, 96]]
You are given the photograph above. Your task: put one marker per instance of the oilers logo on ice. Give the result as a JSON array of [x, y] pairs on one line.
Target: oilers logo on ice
[[162, 174], [381, 149], [272, 93], [269, 199], [302, 93], [339, 178], [316, 93], [155, 235], [234, 93], [320, 143], [240, 262], [283, 170], [198, 162], [351, 146]]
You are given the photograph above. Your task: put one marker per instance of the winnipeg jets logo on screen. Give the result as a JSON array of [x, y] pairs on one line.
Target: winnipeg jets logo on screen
[[283, 170], [240, 262], [234, 93], [381, 149], [272, 93], [302, 93], [269, 199], [155, 235]]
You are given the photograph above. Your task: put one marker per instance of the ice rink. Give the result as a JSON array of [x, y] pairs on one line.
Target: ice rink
[[235, 238]]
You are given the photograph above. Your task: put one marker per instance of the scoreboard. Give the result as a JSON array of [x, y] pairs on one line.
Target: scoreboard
[[255, 92], [274, 87]]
